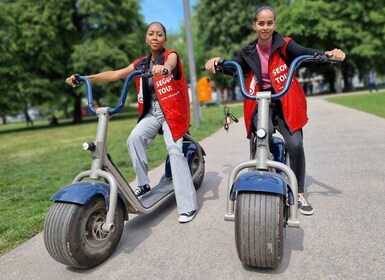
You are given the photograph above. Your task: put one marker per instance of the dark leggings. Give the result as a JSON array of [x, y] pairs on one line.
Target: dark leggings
[[293, 141]]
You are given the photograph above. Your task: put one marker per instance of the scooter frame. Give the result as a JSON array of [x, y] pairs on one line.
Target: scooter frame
[[267, 176], [103, 167], [117, 189], [265, 166]]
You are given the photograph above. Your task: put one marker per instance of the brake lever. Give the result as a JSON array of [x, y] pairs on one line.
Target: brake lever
[[147, 73]]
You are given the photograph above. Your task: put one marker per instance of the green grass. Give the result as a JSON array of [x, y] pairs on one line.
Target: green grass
[[373, 103], [36, 162]]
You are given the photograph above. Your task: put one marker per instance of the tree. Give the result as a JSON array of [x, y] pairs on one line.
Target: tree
[[356, 27], [313, 24], [107, 35], [45, 41], [6, 66], [364, 39], [31, 51], [223, 28]]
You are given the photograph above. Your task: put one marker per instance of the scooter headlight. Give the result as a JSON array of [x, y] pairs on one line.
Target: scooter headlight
[[89, 146], [261, 133]]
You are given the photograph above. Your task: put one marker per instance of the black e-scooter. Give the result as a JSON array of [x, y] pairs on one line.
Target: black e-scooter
[[85, 223]]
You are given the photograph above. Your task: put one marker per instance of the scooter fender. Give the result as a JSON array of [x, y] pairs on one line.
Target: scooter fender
[[83, 192], [259, 181]]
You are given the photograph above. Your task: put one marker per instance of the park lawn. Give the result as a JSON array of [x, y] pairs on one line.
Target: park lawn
[[37, 162], [373, 103]]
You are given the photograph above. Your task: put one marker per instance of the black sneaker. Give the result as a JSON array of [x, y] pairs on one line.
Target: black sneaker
[[304, 206], [187, 217], [141, 190]]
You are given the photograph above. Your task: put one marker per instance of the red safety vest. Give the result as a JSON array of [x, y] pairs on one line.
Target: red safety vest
[[294, 104], [173, 98]]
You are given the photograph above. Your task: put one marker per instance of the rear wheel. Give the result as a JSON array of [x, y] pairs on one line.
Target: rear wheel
[[73, 233], [259, 225], [196, 172]]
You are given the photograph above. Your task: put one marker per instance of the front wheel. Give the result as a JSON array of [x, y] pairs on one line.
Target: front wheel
[[73, 234], [259, 224]]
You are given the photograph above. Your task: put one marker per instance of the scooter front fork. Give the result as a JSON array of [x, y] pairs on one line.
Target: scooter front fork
[[109, 225], [292, 220]]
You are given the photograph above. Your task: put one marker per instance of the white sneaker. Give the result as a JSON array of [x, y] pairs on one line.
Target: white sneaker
[[187, 217], [304, 206], [141, 190]]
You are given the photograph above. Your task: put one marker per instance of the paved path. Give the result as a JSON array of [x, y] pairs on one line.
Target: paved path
[[344, 239]]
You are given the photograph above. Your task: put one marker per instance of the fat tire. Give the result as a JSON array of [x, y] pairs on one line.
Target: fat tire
[[68, 234], [259, 229]]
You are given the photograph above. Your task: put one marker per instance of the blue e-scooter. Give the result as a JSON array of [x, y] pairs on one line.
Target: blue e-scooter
[[262, 201], [85, 223]]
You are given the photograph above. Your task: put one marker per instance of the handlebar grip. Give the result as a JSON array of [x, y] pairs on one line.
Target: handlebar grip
[[76, 81], [147, 73], [323, 58], [218, 66]]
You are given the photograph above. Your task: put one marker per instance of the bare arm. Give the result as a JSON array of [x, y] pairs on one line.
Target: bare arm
[[107, 76], [169, 64]]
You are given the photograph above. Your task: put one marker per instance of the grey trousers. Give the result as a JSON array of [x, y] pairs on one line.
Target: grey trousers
[[141, 136]]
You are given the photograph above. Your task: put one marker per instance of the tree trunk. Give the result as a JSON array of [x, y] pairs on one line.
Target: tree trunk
[[77, 109], [28, 119], [65, 110]]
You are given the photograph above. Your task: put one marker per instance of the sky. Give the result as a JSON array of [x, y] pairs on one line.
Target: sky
[[169, 12]]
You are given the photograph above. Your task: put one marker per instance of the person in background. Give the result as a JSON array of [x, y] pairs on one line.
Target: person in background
[[372, 81], [163, 103], [265, 62]]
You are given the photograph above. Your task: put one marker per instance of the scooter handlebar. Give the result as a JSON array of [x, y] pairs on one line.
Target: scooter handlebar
[[296, 62], [123, 95]]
